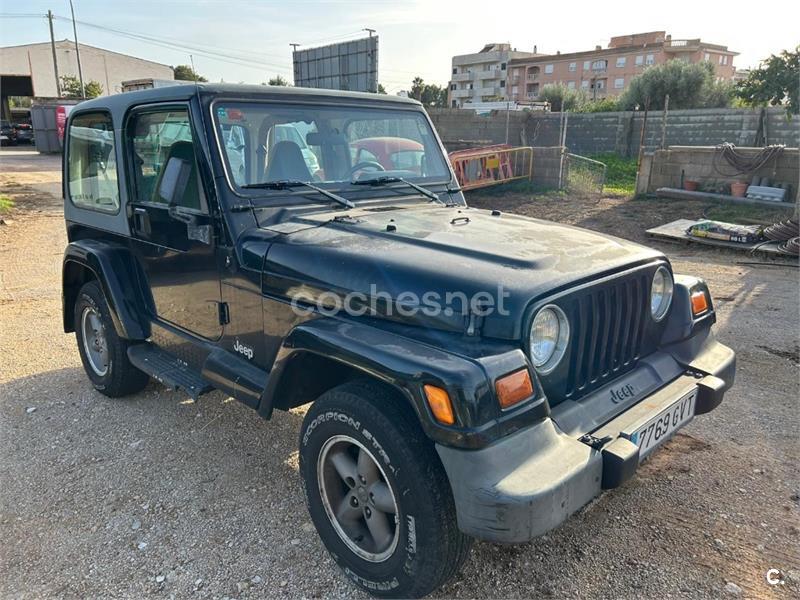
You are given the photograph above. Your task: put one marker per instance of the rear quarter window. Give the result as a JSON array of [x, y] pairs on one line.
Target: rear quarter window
[[92, 163]]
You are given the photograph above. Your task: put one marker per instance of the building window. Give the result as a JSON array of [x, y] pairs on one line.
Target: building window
[[599, 65], [469, 86], [706, 57], [548, 69], [571, 85], [651, 59], [502, 66], [723, 60], [585, 84], [92, 163], [587, 64], [573, 67], [621, 61], [452, 86], [599, 84], [502, 83], [455, 70], [619, 83], [515, 89], [640, 60]]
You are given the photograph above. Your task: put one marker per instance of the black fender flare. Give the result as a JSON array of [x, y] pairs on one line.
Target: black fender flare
[[114, 267], [404, 364]]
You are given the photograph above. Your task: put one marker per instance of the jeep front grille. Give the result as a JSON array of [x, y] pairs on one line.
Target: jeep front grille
[[607, 329]]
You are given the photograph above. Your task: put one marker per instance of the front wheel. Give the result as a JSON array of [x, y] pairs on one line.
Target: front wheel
[[378, 494]]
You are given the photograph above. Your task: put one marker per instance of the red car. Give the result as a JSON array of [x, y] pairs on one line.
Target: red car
[[392, 153]]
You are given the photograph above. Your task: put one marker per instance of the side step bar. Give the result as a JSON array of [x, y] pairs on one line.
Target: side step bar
[[168, 370]]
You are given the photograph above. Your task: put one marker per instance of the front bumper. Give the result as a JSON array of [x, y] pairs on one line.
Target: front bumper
[[528, 483]]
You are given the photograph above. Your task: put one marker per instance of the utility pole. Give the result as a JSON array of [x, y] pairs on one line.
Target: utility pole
[[55, 56], [77, 50]]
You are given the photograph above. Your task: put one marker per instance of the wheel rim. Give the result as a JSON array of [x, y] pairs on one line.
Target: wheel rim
[[358, 498], [95, 345]]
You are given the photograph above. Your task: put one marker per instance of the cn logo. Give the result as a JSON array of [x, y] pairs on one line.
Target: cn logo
[[623, 393]]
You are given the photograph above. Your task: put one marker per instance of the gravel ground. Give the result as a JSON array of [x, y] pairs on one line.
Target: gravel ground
[[157, 496]]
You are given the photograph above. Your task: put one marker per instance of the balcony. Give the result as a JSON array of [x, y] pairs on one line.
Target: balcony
[[533, 77], [461, 93], [682, 45], [462, 77]]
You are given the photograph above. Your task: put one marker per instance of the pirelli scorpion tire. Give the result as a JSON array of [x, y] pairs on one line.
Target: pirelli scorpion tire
[[103, 353], [378, 494]]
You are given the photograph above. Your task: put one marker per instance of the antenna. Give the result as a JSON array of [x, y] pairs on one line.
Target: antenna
[[371, 31], [294, 47], [194, 73]]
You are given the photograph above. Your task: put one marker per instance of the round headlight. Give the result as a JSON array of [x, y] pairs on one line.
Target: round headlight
[[660, 293], [548, 338]]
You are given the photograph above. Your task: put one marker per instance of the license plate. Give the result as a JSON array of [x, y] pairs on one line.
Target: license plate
[[660, 428]]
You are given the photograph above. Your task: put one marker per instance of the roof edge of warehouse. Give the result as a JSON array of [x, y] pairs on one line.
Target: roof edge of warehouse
[[81, 45]]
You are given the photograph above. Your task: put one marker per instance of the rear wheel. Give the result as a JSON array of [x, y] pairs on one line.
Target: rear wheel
[[378, 494], [103, 353]]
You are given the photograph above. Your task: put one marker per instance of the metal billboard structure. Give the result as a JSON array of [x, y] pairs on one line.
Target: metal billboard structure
[[349, 65]]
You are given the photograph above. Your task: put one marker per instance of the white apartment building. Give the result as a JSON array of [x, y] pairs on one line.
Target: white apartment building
[[481, 77]]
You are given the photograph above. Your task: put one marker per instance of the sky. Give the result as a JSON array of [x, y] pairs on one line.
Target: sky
[[248, 40]]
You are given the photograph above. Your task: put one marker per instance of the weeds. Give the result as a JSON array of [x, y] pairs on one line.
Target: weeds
[[6, 204]]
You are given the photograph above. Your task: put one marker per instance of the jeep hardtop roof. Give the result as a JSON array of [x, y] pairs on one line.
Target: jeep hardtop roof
[[121, 102]]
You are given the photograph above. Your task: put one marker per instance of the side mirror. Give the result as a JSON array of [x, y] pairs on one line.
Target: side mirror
[[174, 180]]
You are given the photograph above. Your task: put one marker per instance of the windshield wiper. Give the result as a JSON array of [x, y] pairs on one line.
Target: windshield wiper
[[387, 179], [285, 184]]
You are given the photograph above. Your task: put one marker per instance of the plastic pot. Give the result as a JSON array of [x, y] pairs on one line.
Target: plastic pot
[[690, 186]]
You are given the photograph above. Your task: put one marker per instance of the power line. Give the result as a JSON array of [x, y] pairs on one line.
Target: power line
[[201, 51]]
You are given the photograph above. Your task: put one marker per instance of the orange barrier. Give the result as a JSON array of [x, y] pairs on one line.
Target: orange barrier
[[491, 165]]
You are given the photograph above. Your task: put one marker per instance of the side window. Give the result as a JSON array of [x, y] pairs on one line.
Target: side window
[[155, 138], [92, 163]]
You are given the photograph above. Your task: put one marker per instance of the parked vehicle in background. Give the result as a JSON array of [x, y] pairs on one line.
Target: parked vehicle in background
[[470, 373], [24, 133], [8, 135]]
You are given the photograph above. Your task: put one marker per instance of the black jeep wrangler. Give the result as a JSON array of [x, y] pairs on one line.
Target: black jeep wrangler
[[472, 373]]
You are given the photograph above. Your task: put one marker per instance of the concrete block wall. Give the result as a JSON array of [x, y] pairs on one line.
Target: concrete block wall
[[663, 168], [619, 132], [546, 165]]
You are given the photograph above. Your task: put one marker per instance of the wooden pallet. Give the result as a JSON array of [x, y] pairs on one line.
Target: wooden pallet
[[675, 232]]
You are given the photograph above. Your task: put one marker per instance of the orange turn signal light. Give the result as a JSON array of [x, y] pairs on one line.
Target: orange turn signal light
[[440, 405], [514, 388], [699, 303]]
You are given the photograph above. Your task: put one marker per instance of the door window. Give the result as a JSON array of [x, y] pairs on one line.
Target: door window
[[92, 163], [156, 137]]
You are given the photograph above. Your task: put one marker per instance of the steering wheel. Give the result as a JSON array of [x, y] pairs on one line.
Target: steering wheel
[[366, 164]]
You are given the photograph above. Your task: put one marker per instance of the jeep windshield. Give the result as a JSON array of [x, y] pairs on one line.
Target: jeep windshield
[[331, 147]]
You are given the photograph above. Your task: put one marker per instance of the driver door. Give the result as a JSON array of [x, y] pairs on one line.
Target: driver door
[[173, 237]]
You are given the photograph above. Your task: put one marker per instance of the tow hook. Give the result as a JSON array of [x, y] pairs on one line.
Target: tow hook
[[594, 442], [620, 458]]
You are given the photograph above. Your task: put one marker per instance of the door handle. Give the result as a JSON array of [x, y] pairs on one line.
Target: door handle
[[141, 221]]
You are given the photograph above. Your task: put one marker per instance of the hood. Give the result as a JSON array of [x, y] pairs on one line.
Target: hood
[[500, 263]]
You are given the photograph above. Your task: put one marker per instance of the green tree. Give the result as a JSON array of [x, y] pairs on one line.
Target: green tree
[[278, 80], [600, 105], [774, 82], [429, 94], [71, 87], [561, 97], [688, 86], [187, 73], [381, 89]]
